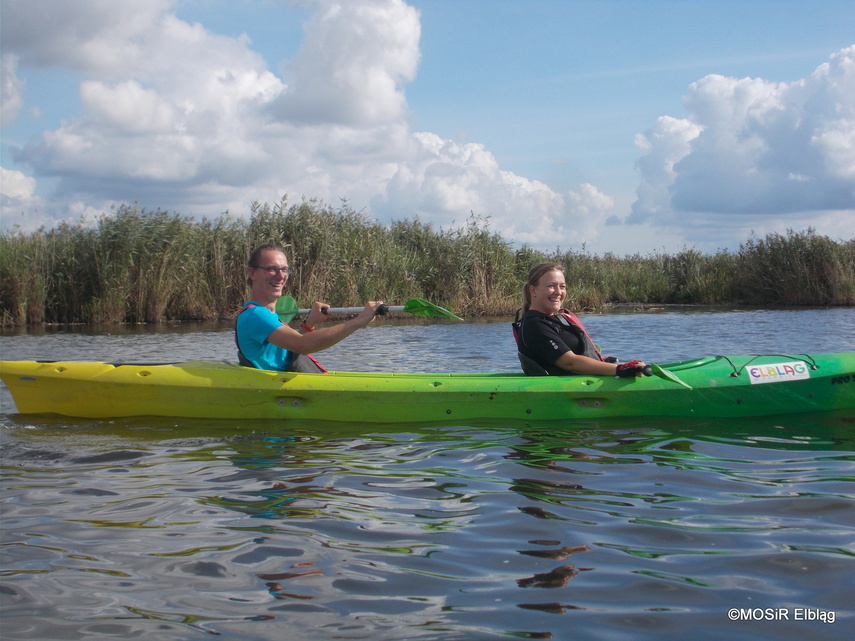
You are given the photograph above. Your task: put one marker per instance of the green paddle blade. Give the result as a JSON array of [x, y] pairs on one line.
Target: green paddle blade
[[668, 376], [286, 309], [421, 307]]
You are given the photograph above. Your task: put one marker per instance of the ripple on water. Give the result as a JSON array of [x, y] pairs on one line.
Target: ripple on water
[[624, 529]]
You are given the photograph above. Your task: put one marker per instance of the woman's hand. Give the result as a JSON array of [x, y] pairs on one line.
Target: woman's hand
[[630, 369]]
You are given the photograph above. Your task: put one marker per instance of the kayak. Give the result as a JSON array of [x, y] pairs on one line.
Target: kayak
[[714, 386]]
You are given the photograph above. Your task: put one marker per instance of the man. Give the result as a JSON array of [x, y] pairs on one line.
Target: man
[[263, 341]]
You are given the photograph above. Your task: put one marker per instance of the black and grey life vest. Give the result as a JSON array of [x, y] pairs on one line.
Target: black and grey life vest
[[569, 320]]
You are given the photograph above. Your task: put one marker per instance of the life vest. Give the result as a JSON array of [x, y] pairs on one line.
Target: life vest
[[298, 363], [569, 320]]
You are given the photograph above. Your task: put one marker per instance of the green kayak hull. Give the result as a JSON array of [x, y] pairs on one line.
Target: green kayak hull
[[715, 386]]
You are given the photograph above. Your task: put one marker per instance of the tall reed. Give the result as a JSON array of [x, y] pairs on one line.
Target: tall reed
[[137, 266], [796, 269]]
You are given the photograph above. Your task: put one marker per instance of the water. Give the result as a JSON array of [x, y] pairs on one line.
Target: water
[[628, 529]]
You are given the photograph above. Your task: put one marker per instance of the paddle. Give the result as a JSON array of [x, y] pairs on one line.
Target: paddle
[[659, 371], [287, 310]]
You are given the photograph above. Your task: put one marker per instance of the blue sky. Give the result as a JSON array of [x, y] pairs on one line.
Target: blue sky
[[622, 126]]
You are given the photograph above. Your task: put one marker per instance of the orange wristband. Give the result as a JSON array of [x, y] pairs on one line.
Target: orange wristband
[[307, 328]]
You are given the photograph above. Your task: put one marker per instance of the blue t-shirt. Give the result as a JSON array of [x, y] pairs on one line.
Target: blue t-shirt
[[253, 326]]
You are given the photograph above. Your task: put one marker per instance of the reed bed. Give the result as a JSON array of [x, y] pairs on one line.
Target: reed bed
[[138, 266]]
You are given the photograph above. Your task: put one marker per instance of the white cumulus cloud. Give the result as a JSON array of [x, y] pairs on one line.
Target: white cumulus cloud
[[16, 185], [187, 119], [11, 89], [173, 115], [352, 63], [17, 199], [751, 150]]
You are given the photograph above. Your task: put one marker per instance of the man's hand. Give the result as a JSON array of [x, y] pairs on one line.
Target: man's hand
[[368, 312], [317, 314]]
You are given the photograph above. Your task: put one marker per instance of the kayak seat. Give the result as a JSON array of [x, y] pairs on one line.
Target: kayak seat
[[531, 367]]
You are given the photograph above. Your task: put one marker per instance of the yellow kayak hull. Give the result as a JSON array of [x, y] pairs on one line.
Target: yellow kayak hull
[[721, 386]]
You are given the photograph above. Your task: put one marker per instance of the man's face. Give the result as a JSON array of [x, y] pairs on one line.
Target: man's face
[[270, 273]]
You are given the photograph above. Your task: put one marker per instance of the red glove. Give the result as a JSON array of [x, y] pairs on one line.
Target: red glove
[[630, 369]]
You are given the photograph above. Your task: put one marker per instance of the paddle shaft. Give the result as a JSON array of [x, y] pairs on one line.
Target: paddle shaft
[[383, 309], [287, 310]]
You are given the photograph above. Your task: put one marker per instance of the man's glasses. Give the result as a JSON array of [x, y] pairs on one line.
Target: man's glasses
[[273, 270]]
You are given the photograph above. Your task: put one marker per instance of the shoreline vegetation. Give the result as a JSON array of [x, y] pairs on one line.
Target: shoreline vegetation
[[137, 266]]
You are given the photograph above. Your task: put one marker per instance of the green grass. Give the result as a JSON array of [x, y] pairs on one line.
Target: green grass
[[137, 266]]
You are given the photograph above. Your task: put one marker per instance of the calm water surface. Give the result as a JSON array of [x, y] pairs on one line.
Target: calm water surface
[[171, 529]]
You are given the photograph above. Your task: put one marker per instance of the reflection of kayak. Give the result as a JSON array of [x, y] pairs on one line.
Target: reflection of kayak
[[721, 386]]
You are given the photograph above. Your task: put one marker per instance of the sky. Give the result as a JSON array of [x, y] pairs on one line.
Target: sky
[[622, 126]]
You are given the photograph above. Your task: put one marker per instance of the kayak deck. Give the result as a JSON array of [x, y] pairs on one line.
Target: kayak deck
[[721, 386]]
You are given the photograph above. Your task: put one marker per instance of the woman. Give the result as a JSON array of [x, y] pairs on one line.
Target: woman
[[551, 340], [263, 341]]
